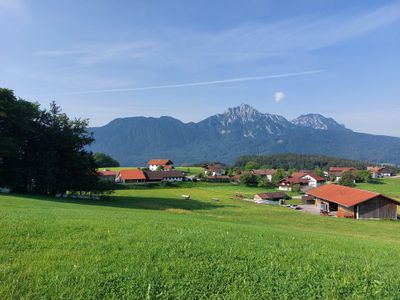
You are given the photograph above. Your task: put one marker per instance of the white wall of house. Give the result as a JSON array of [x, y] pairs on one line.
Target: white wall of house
[[153, 167], [285, 188], [215, 173], [173, 179]]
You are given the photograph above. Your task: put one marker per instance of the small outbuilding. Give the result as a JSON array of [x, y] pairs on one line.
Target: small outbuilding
[[270, 196], [355, 203]]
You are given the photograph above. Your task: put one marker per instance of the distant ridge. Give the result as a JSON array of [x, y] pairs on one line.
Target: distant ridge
[[238, 131]]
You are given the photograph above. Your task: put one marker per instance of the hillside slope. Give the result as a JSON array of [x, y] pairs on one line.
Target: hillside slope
[[149, 243]]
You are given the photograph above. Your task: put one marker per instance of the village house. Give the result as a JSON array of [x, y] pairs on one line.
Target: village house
[[379, 172], [338, 171], [313, 179], [288, 183], [214, 169], [131, 176], [266, 173], [107, 175], [349, 202], [163, 164], [170, 176]]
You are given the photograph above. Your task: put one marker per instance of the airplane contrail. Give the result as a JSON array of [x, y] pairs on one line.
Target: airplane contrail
[[179, 85]]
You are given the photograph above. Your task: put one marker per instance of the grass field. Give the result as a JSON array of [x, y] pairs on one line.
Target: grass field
[[387, 186], [148, 243]]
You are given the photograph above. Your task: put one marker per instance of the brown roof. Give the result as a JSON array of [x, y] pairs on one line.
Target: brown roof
[[160, 175], [315, 176], [160, 162], [271, 196], [132, 175], [214, 167], [264, 172], [344, 195], [376, 169], [294, 180], [107, 173]]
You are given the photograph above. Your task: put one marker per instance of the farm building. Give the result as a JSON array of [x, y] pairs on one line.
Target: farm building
[[164, 164], [349, 202], [270, 196], [164, 175], [379, 172], [287, 184], [338, 171], [107, 175], [266, 173], [130, 176], [214, 169]]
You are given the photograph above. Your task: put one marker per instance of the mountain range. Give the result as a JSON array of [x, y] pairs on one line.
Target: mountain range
[[238, 131]]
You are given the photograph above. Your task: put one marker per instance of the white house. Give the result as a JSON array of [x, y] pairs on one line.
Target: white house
[[164, 164], [314, 180], [215, 169]]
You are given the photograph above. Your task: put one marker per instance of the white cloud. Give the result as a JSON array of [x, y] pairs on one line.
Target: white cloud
[[279, 96], [92, 54]]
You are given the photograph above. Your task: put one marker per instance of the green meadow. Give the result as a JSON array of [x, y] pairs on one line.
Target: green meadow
[[149, 243], [387, 186]]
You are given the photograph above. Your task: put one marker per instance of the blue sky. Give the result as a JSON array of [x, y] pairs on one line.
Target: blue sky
[[90, 56]]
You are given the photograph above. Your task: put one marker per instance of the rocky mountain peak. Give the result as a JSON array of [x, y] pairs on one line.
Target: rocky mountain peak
[[317, 121]]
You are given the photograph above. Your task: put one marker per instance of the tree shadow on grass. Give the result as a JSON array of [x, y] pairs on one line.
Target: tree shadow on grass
[[376, 181], [130, 202]]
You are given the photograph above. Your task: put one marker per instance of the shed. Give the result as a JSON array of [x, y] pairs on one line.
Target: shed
[[354, 203]]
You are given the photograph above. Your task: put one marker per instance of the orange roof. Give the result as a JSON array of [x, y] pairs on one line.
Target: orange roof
[[298, 174], [344, 195], [132, 175], [160, 162]]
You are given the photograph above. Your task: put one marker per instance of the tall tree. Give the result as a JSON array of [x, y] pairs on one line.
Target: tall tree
[[43, 151], [103, 160]]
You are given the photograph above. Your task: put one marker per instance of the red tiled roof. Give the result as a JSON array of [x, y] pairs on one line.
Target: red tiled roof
[[298, 174], [315, 176], [160, 162], [344, 195], [107, 173], [132, 175], [341, 169], [375, 169]]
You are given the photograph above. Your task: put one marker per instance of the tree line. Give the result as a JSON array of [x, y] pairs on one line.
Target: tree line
[[43, 151], [295, 161]]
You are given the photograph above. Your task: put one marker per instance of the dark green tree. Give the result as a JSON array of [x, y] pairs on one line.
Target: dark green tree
[[249, 179], [347, 179], [250, 165], [363, 176], [43, 151], [104, 161]]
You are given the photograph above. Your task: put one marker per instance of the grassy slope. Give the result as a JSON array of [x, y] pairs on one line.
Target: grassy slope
[[387, 186], [150, 243]]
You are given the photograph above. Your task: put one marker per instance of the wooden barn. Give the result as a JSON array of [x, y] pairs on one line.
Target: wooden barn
[[349, 202]]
